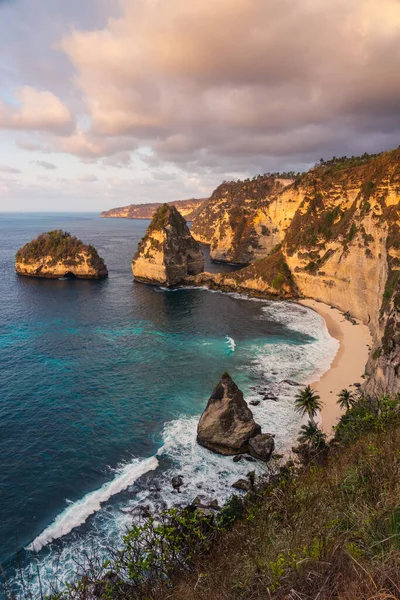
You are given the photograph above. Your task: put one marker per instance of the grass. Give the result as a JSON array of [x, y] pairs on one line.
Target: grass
[[272, 269], [325, 530], [330, 531]]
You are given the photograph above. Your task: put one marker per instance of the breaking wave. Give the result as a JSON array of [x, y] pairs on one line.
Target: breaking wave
[[274, 369], [77, 513]]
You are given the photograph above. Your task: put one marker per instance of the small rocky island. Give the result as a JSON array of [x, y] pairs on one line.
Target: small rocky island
[[58, 254], [168, 253], [227, 425]]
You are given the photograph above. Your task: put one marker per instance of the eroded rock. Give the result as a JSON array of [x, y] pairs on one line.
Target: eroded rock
[[227, 424], [57, 254], [262, 446], [168, 253]]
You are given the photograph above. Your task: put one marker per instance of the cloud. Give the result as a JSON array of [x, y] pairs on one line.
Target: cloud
[[35, 110], [247, 78], [11, 170], [200, 91], [120, 160], [30, 146], [89, 147], [45, 165], [87, 178]]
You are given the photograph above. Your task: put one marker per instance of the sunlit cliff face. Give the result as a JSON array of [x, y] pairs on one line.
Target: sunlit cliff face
[[169, 96]]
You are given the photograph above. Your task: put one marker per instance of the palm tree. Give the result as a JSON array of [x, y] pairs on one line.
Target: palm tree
[[311, 435], [345, 399], [308, 402]]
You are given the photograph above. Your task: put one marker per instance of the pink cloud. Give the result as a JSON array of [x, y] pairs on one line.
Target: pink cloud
[[45, 165], [9, 170], [36, 110], [196, 77]]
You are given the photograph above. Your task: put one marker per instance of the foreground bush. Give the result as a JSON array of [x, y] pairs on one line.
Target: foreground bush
[[329, 530]]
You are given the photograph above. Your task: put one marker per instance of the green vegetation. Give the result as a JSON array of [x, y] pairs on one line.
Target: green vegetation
[[272, 269], [326, 527], [241, 199], [307, 402], [346, 399], [60, 246], [311, 435], [367, 414], [344, 162], [164, 215]]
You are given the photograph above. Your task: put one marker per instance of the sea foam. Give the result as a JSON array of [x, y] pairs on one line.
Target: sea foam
[[230, 343], [202, 471], [77, 513]]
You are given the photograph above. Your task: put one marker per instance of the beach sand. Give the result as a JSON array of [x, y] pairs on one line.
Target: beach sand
[[348, 365]]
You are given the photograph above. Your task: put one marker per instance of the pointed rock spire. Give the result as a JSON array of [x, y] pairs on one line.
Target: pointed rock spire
[[227, 424], [167, 253]]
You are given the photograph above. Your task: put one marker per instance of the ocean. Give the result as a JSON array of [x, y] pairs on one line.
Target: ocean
[[101, 387]]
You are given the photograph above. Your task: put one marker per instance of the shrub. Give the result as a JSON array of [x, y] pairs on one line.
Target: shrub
[[60, 246]]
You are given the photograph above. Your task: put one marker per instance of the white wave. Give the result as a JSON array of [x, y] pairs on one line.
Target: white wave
[[77, 513], [230, 342], [310, 360], [202, 471]]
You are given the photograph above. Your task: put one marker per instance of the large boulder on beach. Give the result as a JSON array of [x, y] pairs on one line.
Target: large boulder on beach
[[227, 424], [168, 253]]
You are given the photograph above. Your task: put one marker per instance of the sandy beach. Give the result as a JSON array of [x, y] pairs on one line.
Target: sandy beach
[[348, 365]]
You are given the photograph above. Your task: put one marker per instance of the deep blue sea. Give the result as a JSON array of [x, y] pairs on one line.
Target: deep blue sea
[[102, 384]]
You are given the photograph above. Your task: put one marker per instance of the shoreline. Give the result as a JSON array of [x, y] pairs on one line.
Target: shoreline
[[348, 366]]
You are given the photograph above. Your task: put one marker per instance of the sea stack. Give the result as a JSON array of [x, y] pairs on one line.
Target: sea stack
[[167, 253], [57, 254], [227, 424]]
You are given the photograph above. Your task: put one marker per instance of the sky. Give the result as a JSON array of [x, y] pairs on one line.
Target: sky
[[104, 103]]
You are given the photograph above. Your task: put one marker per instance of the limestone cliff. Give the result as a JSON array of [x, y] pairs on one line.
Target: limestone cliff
[[167, 253], [338, 226], [188, 209], [238, 223], [58, 254], [269, 277]]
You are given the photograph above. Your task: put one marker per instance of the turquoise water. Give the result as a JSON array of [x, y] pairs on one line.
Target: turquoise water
[[101, 386]]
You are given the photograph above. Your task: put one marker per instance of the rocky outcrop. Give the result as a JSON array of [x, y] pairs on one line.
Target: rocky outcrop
[[58, 254], [339, 234], [227, 424], [188, 209], [269, 277], [238, 223], [168, 253], [262, 446]]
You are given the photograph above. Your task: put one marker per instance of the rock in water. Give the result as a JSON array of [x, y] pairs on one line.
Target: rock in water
[[57, 254], [167, 253], [227, 424], [177, 482], [241, 484], [262, 446]]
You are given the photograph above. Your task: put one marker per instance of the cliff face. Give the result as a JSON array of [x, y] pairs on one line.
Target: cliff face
[[237, 221], [167, 253], [58, 254], [338, 226], [188, 209]]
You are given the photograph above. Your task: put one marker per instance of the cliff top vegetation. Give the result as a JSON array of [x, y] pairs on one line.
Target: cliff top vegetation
[[165, 215], [326, 526], [60, 246], [272, 269]]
